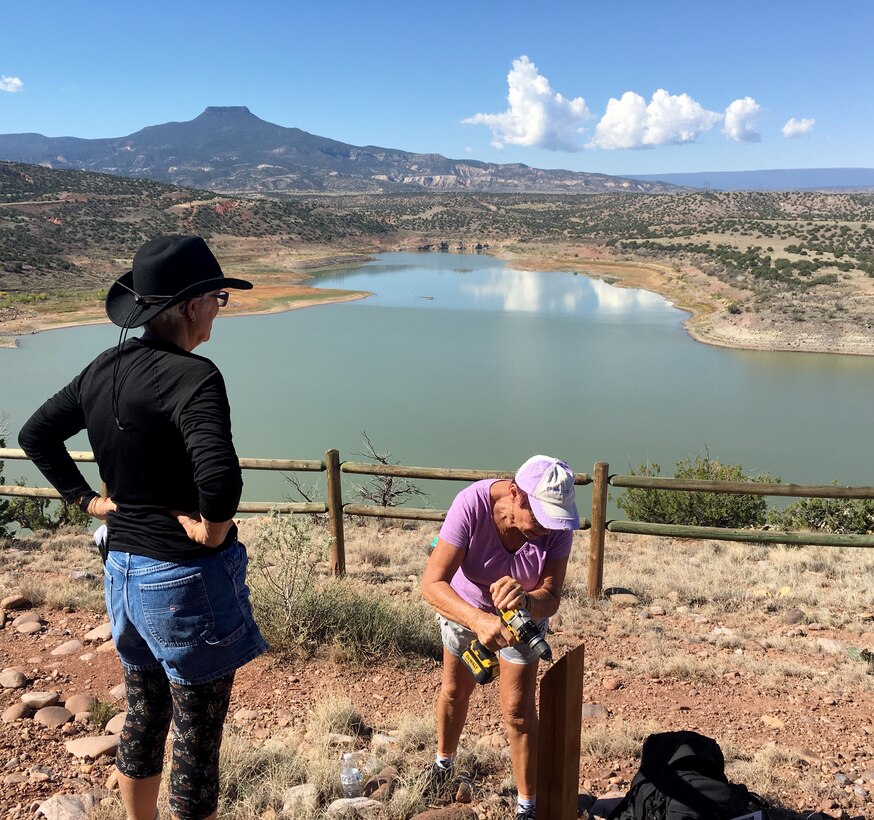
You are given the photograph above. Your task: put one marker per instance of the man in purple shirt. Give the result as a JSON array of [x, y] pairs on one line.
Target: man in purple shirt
[[504, 545]]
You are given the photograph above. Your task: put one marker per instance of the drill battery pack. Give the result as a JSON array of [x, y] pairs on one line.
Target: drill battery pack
[[483, 665]]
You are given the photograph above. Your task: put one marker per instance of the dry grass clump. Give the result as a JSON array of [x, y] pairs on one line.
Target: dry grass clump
[[733, 577], [676, 664], [101, 713], [255, 778], [402, 550], [108, 809], [415, 734], [54, 569], [63, 592], [334, 714], [761, 773], [301, 608], [616, 739]]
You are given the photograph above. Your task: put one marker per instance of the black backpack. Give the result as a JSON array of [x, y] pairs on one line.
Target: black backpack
[[682, 777]]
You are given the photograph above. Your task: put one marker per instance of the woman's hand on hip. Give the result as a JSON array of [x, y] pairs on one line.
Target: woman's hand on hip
[[201, 531], [507, 593], [100, 506]]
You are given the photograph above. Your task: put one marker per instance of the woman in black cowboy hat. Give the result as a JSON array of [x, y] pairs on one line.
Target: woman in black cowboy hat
[[158, 419]]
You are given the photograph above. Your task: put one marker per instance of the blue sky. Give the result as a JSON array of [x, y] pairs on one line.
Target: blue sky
[[611, 86]]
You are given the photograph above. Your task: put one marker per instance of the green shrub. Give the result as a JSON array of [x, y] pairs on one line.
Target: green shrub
[[35, 513], [696, 508], [43, 514], [301, 612], [838, 515], [100, 714], [284, 569]]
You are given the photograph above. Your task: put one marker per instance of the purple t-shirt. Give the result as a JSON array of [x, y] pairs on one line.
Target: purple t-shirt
[[469, 526]]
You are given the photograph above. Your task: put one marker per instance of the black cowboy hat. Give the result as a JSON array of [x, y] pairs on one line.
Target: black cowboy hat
[[166, 270]]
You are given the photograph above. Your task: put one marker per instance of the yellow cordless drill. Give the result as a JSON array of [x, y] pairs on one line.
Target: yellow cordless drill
[[483, 663]]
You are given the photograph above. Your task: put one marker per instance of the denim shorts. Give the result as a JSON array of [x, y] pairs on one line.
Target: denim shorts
[[193, 618], [456, 638]]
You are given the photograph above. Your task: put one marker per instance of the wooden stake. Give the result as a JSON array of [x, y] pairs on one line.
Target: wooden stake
[[558, 745]]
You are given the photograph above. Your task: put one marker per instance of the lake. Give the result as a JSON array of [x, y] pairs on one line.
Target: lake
[[460, 361]]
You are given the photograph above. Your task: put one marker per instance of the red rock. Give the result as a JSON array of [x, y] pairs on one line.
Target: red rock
[[15, 602], [17, 711], [92, 747], [53, 716], [68, 648], [80, 703]]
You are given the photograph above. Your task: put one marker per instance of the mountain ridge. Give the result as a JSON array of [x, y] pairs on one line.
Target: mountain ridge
[[848, 180], [229, 149]]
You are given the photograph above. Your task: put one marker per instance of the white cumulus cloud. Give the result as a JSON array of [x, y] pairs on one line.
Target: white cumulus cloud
[[798, 128], [668, 119], [623, 124], [10, 84], [673, 119], [537, 116], [740, 120]]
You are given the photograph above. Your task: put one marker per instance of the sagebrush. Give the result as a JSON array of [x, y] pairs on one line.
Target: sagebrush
[[697, 508], [301, 609]]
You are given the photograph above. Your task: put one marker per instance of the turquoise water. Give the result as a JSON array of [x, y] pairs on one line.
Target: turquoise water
[[459, 361]]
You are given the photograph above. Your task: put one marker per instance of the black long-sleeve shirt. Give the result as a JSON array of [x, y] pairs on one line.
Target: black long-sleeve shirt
[[174, 451]]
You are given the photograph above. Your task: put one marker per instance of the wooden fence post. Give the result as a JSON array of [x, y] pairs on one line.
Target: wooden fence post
[[335, 513], [558, 743], [600, 477]]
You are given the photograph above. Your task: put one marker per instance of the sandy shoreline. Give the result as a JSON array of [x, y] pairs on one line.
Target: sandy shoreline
[[9, 339], [688, 289], [706, 301]]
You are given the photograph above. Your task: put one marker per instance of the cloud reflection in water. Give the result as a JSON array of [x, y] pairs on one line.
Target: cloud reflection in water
[[624, 300], [556, 292]]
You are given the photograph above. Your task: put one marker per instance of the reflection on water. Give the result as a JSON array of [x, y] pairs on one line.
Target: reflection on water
[[436, 282], [525, 291], [625, 300]]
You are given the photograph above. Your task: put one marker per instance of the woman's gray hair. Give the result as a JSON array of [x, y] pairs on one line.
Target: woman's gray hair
[[166, 320]]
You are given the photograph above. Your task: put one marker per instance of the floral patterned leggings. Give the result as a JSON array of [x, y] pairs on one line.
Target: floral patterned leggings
[[198, 715]]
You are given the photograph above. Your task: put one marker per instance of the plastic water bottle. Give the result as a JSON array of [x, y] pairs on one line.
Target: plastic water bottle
[[350, 776]]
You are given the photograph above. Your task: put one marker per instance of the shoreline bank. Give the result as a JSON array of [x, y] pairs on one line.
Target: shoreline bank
[[709, 320]]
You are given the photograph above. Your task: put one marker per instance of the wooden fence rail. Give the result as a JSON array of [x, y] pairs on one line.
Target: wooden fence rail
[[438, 473], [692, 485], [600, 480], [600, 525], [802, 539], [403, 513]]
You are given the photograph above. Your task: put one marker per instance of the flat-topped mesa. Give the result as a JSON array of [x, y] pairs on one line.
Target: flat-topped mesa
[[226, 110]]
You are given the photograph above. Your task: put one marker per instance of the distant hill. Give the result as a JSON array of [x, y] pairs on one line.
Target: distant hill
[[67, 230], [779, 179], [229, 149]]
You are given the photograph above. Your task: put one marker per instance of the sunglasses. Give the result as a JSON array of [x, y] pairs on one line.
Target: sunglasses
[[221, 297]]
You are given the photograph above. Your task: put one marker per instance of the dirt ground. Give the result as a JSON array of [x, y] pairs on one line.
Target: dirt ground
[[815, 747]]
